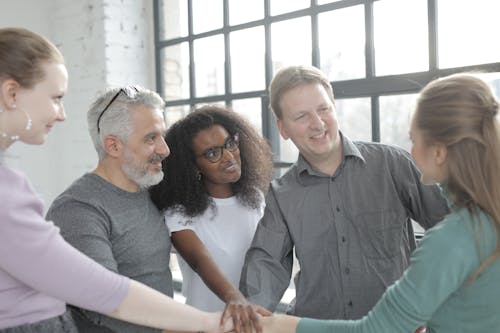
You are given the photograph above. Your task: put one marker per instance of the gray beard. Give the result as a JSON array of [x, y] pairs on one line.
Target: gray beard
[[141, 176]]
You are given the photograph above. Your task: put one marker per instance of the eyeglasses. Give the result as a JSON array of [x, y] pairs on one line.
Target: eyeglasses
[[214, 154], [130, 91]]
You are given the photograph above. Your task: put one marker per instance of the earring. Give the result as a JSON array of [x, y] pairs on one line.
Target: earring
[[29, 123], [198, 175]]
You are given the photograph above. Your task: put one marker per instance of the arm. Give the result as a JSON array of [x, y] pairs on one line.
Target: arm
[[38, 247], [268, 263], [194, 252], [440, 266], [425, 203], [148, 307]]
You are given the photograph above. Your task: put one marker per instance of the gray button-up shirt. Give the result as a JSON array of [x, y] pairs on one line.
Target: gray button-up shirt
[[352, 232]]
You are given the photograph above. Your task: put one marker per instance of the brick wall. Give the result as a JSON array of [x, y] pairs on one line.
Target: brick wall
[[105, 43]]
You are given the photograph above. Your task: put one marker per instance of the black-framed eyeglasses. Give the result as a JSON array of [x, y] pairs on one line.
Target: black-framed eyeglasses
[[130, 91], [214, 154]]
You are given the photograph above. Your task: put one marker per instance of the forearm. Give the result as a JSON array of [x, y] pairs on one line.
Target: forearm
[[280, 324], [148, 307]]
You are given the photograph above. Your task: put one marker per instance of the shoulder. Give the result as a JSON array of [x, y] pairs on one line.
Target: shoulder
[[176, 219], [87, 190], [455, 228], [381, 151]]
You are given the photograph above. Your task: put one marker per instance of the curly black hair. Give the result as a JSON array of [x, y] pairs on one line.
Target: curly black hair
[[181, 187]]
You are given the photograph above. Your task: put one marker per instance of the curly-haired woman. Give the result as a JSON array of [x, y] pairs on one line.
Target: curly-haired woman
[[212, 195]]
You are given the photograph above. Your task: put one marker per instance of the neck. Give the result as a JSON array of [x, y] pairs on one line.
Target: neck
[[329, 164], [219, 191], [111, 171]]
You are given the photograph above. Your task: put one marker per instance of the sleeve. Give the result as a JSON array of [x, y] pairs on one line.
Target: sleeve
[[429, 281], [424, 203], [86, 228], [33, 251], [176, 221], [268, 263]]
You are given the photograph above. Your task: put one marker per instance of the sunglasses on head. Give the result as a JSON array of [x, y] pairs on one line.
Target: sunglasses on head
[[129, 91]]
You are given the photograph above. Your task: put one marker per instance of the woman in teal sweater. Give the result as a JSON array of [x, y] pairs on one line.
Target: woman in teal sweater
[[453, 282]]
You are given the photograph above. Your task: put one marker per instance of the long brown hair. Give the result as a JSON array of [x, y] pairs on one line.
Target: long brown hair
[[22, 53], [460, 111]]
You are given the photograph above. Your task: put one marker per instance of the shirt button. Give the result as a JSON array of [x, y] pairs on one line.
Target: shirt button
[[346, 270], [338, 209], [350, 304], [343, 239]]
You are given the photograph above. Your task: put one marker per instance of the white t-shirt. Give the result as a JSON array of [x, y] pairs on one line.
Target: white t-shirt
[[227, 236]]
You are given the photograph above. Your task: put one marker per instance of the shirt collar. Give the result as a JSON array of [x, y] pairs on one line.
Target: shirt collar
[[348, 149]]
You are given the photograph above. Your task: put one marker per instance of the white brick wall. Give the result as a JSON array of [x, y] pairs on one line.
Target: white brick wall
[[105, 42]]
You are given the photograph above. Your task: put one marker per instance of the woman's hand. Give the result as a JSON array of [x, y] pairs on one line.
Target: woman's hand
[[245, 315]]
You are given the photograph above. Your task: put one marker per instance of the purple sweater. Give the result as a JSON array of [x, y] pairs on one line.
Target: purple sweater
[[39, 271]]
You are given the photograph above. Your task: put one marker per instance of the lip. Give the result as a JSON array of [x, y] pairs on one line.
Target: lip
[[230, 166], [319, 136]]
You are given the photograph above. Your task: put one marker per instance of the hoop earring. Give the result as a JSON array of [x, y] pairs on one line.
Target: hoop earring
[[29, 122]]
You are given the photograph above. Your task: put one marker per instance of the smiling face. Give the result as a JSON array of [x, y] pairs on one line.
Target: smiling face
[[217, 176], [43, 104], [309, 120], [145, 147]]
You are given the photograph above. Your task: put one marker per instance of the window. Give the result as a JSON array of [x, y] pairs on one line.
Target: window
[[377, 53]]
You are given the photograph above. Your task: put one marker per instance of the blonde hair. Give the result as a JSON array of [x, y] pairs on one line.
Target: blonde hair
[[290, 77], [460, 112], [22, 53]]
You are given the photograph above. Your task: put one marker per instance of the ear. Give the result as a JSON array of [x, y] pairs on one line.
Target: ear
[[281, 128], [440, 154], [113, 146], [8, 91]]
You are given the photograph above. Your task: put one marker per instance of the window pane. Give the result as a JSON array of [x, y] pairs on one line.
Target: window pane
[[464, 29], [241, 11], [175, 67], [251, 109], [173, 19], [247, 59], [342, 55], [291, 51], [209, 65], [354, 116], [494, 80], [401, 36], [395, 117], [288, 151], [174, 113], [207, 15], [285, 6]]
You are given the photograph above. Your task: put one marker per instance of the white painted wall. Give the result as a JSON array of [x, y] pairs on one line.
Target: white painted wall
[[105, 43]]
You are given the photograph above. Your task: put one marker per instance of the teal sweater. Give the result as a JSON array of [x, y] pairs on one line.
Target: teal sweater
[[433, 291]]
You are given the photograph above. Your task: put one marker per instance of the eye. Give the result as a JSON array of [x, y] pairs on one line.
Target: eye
[[211, 153], [231, 144]]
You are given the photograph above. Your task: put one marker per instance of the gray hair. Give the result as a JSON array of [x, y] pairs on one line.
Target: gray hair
[[117, 104]]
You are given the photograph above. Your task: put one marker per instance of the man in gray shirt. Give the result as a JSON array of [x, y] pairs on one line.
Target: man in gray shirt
[[107, 213], [346, 208]]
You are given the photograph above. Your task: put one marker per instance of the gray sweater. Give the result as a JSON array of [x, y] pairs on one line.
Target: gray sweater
[[123, 231]]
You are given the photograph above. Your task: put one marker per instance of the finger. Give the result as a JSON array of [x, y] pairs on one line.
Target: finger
[[236, 318], [254, 318], [263, 311]]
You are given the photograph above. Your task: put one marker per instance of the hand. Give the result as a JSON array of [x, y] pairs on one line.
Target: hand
[[420, 329], [245, 316]]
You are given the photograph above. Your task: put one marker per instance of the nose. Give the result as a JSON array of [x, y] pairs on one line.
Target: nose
[[227, 154], [162, 147], [61, 116], [316, 121]]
